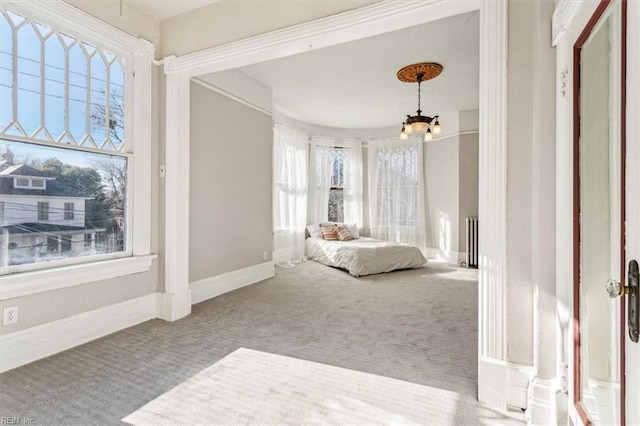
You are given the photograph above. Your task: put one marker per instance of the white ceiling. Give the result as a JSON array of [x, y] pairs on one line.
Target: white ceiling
[[163, 9], [354, 85]]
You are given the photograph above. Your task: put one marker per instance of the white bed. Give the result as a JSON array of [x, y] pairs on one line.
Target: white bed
[[364, 256]]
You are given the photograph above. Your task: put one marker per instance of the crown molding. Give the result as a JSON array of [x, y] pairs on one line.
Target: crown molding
[[378, 18]]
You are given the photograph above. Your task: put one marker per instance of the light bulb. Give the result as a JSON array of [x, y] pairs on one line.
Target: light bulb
[[436, 128], [408, 128], [403, 132], [428, 136]]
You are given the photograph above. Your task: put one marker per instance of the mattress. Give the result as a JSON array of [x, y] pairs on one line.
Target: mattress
[[364, 256]]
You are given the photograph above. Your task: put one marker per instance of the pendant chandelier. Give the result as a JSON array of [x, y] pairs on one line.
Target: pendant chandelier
[[417, 73]]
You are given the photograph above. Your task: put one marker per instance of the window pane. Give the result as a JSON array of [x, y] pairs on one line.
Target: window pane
[[66, 243], [6, 72], [54, 105], [336, 205], [80, 212], [337, 167], [29, 77], [78, 93], [98, 99], [116, 104]]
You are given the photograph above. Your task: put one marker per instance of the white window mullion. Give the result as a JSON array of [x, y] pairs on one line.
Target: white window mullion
[[107, 100], [14, 62], [88, 105], [67, 109], [42, 80]]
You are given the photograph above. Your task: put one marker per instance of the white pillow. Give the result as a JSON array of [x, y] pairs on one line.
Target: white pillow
[[314, 231], [353, 229]]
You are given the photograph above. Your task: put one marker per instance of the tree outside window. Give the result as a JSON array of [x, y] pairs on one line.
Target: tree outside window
[[336, 191]]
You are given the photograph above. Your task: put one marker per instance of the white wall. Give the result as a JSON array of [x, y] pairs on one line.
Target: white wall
[[468, 183], [451, 186], [227, 21], [132, 21], [230, 214], [241, 85], [442, 185]]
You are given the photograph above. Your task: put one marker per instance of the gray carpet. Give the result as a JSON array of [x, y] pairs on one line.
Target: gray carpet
[[418, 326], [252, 387]]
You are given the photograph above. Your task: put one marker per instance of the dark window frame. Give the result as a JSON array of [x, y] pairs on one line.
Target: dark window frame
[[69, 211], [43, 210]]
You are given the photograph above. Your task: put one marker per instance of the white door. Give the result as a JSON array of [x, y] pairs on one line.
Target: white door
[[606, 212], [632, 349]]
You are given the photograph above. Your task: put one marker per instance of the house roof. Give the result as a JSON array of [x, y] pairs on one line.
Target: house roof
[[47, 228], [23, 170], [53, 187]]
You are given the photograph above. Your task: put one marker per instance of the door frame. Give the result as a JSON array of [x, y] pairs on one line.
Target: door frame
[[601, 9], [378, 18]]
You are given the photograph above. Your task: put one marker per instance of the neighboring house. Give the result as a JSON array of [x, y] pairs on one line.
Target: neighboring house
[[41, 219]]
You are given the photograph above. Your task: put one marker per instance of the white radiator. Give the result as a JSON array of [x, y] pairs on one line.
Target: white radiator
[[472, 242]]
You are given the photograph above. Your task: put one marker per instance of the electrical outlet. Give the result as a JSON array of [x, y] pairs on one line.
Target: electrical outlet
[[264, 255], [10, 315]]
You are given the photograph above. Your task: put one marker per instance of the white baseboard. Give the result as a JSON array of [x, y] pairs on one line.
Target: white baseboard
[[502, 384], [542, 404], [452, 257], [215, 286], [519, 379], [31, 344], [492, 382]]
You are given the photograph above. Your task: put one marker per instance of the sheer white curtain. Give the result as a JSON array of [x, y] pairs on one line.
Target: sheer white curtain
[[396, 191], [290, 164], [321, 162], [353, 181]]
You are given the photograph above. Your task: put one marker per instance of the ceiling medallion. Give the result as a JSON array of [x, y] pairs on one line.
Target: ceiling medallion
[[417, 73]]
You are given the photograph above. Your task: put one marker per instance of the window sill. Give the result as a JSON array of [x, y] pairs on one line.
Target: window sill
[[26, 283]]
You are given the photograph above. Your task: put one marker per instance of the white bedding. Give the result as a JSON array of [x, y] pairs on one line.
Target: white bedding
[[364, 256]]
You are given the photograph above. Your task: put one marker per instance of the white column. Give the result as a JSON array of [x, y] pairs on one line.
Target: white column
[[177, 296], [543, 391], [492, 372]]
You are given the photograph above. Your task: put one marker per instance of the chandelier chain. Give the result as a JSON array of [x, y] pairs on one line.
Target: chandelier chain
[[419, 77]]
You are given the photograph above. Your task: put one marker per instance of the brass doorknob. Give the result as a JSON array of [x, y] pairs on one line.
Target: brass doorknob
[[615, 289]]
